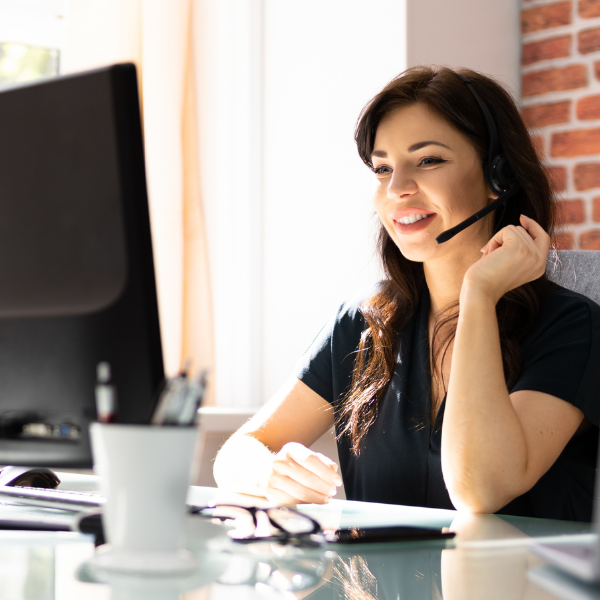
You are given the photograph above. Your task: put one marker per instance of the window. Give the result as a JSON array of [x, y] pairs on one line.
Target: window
[[32, 34], [21, 62]]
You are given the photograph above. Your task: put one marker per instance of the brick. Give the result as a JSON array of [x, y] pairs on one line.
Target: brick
[[578, 142], [541, 115], [596, 208], [555, 79], [558, 178], [590, 240], [588, 40], [563, 240], [571, 212], [588, 9], [538, 144], [545, 17], [589, 107], [557, 47], [586, 176]]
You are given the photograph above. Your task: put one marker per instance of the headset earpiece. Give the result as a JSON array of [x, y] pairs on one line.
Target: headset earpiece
[[501, 173], [497, 171]]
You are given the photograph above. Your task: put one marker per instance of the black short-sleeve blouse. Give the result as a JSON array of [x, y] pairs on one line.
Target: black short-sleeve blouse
[[400, 461]]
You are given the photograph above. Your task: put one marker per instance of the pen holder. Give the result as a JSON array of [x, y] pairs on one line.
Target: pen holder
[[144, 475]]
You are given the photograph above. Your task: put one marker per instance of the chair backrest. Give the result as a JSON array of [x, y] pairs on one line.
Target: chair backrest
[[577, 270]]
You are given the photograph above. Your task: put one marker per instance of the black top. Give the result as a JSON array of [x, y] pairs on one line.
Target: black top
[[400, 461]]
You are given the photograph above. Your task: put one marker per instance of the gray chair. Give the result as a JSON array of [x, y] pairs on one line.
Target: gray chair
[[577, 270]]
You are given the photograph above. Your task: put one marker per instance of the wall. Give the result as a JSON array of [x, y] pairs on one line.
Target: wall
[[287, 199], [561, 105], [323, 62], [479, 34]]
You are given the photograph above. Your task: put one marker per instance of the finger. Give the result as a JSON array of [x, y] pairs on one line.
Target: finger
[[328, 462], [277, 496], [537, 247], [303, 476], [536, 231], [282, 484], [507, 234], [310, 460], [315, 464], [495, 243], [526, 238]]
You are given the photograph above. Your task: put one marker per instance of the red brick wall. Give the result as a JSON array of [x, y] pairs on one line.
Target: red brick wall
[[561, 106]]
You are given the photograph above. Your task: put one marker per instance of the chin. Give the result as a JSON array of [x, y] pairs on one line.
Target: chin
[[418, 252]]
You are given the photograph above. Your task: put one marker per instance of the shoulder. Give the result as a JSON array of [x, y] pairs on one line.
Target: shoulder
[[563, 350], [345, 326], [326, 366], [560, 355], [350, 311], [568, 328], [566, 307]]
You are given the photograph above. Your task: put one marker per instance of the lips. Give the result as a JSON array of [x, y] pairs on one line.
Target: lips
[[415, 219]]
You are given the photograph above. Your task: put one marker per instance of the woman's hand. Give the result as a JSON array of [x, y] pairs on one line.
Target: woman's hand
[[300, 475], [513, 257]]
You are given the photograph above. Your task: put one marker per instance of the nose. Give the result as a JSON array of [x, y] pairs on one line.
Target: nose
[[401, 184]]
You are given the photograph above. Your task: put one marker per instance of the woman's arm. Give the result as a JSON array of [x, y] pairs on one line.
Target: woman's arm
[[495, 446], [269, 455]]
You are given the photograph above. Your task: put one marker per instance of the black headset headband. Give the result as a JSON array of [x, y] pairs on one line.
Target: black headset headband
[[497, 171]]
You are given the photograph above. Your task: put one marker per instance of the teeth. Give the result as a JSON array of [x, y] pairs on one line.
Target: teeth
[[412, 219]]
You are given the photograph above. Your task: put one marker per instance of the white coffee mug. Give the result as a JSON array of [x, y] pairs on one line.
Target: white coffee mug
[[144, 474]]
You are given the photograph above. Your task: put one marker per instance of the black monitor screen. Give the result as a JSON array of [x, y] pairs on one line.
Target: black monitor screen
[[76, 269]]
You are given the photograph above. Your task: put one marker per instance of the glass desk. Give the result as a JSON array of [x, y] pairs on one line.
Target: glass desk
[[489, 558]]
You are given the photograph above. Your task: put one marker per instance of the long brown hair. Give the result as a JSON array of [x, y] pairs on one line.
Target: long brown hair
[[389, 310]]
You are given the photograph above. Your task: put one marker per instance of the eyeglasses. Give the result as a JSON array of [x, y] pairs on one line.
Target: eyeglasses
[[284, 575], [250, 523]]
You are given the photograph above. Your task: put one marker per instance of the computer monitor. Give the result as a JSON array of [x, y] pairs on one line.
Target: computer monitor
[[77, 281]]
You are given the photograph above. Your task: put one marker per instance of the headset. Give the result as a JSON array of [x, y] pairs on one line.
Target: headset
[[497, 171]]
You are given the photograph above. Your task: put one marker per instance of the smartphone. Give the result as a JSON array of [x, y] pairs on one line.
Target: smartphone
[[363, 535]]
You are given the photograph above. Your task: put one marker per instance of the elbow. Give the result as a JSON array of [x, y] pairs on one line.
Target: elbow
[[482, 495], [475, 504]]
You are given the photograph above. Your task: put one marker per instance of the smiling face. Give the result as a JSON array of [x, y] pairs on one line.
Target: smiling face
[[429, 178]]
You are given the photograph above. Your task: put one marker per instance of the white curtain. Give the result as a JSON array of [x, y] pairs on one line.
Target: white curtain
[[157, 35]]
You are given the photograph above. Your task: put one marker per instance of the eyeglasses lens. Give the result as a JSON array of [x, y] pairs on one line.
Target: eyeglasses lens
[[239, 519], [291, 521], [258, 523]]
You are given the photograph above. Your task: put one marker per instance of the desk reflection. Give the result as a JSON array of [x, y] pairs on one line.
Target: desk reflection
[[490, 560], [481, 566]]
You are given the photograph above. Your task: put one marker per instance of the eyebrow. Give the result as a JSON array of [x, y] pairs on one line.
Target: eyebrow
[[413, 148]]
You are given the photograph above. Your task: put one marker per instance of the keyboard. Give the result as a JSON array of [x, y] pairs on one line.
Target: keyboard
[[47, 498]]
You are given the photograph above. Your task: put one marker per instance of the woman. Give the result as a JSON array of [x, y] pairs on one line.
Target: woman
[[465, 379]]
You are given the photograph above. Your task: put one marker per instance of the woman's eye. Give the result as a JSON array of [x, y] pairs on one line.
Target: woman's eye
[[383, 170], [428, 161]]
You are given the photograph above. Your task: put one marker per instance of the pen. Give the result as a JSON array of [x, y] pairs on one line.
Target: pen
[[194, 395], [106, 395], [170, 397]]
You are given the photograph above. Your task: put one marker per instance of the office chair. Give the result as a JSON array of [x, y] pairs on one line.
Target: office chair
[[577, 270]]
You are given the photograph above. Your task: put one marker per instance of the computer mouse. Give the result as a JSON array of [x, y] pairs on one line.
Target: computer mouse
[[38, 477]]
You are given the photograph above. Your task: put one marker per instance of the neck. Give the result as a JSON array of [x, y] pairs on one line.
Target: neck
[[444, 276]]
